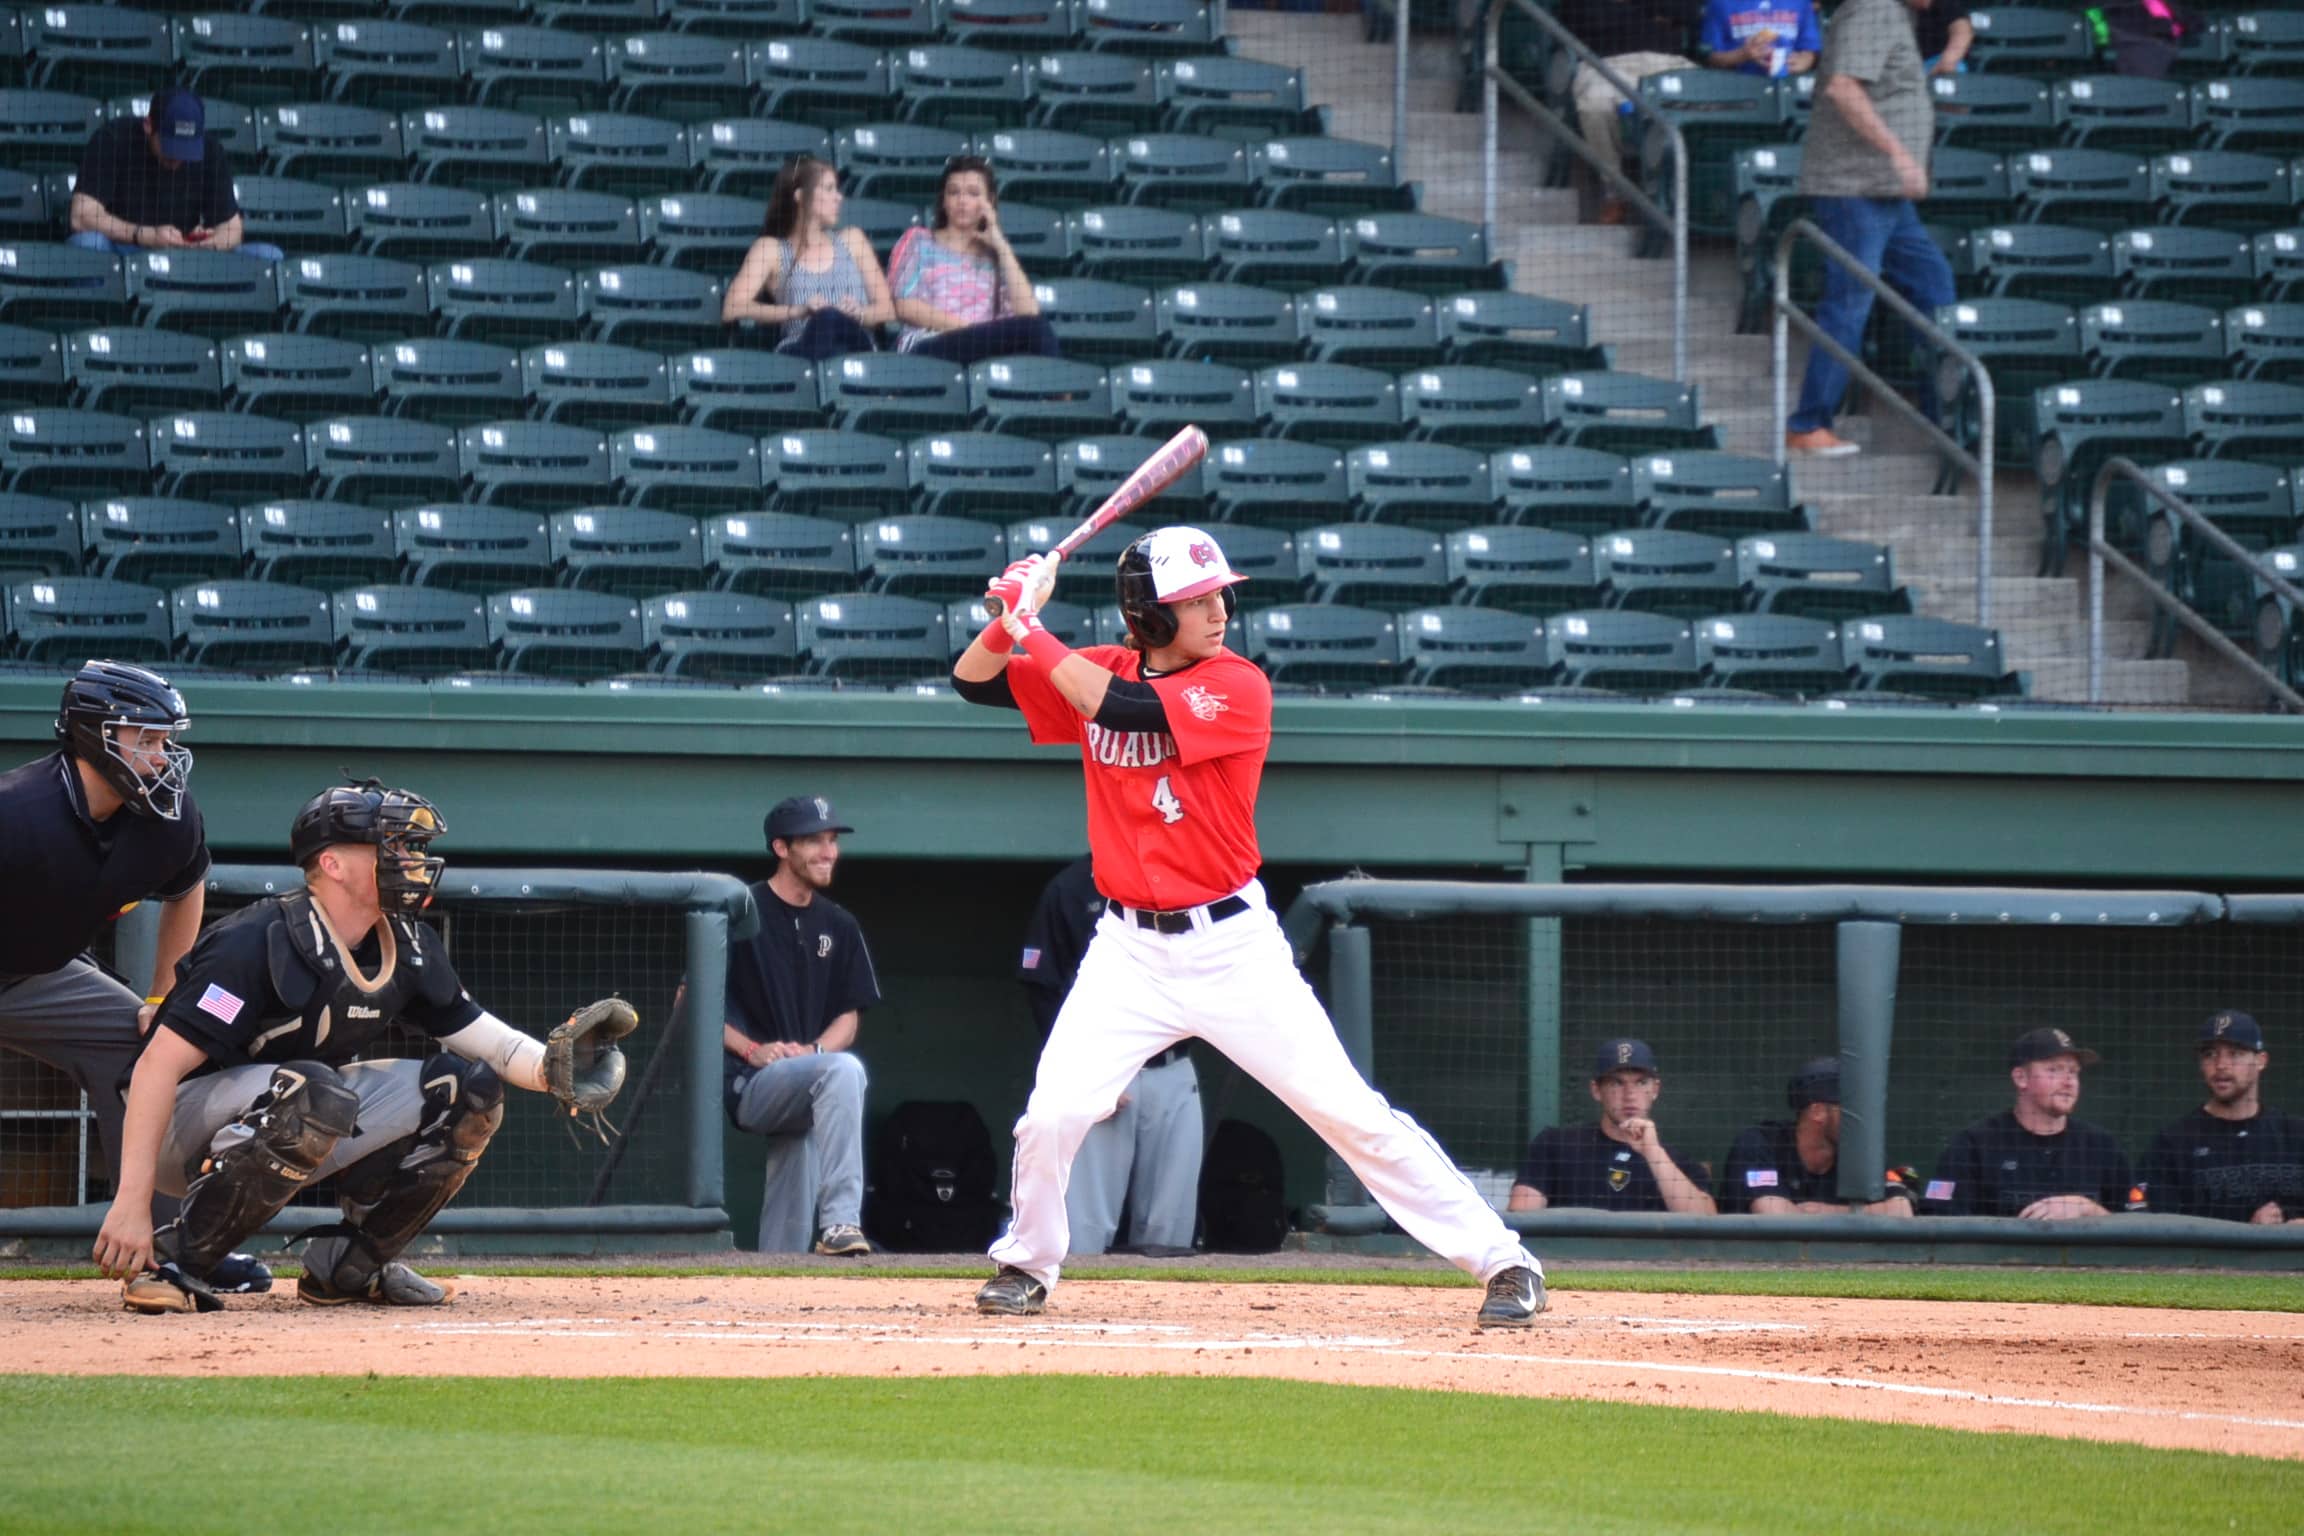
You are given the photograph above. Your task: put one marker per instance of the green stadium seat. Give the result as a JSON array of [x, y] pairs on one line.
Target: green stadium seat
[[601, 18], [1326, 644], [159, 540], [1765, 182], [330, 142], [619, 152], [2168, 343], [31, 367], [1778, 653], [2028, 40], [631, 551], [1228, 323], [2267, 342], [563, 634], [872, 637], [700, 231], [1474, 407], [1275, 247], [982, 475], [1424, 252], [39, 536], [298, 378], [740, 157], [1335, 178], [1385, 328], [208, 293], [96, 50], [1420, 485], [2279, 265], [448, 383], [1235, 98], [1625, 412], [683, 77], [820, 81], [355, 298], [1372, 564], [2253, 504], [1139, 245], [661, 308], [480, 149], [1667, 570], [883, 221], [823, 472], [76, 455], [2246, 419], [1098, 321], [1931, 657], [1071, 623], [2268, 42], [391, 64], [1090, 468], [1157, 397], [1576, 490], [1267, 557], [696, 471], [1150, 28], [899, 161], [2198, 266], [472, 549], [46, 130], [2225, 189], [535, 465], [60, 287], [382, 461], [1041, 237], [436, 13], [23, 205], [413, 630], [900, 394], [1192, 172], [559, 226], [1478, 650], [595, 385], [2265, 115], [1727, 495], [322, 544], [1995, 113], [1041, 397], [780, 554], [63, 620], [1330, 403], [945, 85], [889, 24], [1643, 653], [1009, 26], [1273, 483], [2082, 422], [254, 60], [1522, 331], [301, 217], [1812, 576], [1718, 112], [724, 636], [1971, 187], [2101, 189], [14, 59], [1535, 571], [2123, 112], [742, 390], [134, 371], [1067, 171], [508, 303], [929, 556], [256, 626], [546, 70]]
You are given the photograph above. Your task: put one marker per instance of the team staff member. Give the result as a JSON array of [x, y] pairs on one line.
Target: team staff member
[[1146, 1153], [158, 183], [1618, 1164], [2035, 1160], [795, 993], [1791, 1167], [2231, 1158], [1173, 732]]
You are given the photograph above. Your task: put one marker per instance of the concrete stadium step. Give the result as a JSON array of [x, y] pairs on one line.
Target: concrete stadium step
[[2154, 684]]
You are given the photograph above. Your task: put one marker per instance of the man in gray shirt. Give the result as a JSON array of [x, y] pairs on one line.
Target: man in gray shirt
[[1866, 163]]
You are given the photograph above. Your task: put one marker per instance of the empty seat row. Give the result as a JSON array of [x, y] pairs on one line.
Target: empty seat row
[[2005, 112]]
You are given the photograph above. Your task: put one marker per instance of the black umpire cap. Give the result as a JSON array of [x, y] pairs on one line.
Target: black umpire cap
[[1817, 1082], [2229, 1026], [802, 816]]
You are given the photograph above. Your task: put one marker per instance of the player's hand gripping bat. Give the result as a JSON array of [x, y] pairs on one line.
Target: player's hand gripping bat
[[1153, 476]]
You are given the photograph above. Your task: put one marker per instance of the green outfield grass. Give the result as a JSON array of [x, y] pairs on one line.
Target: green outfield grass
[[1065, 1455]]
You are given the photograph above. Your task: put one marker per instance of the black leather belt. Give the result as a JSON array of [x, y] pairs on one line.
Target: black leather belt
[[1179, 921], [1174, 1053]]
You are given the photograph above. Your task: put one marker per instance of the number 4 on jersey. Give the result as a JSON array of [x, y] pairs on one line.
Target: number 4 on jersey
[[1165, 802]]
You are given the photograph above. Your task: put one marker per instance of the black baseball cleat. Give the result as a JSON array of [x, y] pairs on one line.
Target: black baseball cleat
[[1515, 1296], [1012, 1293], [239, 1274]]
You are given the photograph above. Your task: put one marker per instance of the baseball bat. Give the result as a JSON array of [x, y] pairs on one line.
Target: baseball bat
[[1150, 478]]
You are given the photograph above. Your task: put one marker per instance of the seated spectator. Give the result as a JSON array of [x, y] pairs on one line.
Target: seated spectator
[[960, 291], [807, 274], [2035, 1160], [156, 183], [1945, 35], [1761, 37], [2231, 1158], [1791, 1167], [1635, 38], [1618, 1164]]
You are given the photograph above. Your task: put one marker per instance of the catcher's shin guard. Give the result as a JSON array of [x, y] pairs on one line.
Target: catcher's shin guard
[[269, 1153], [393, 1193]]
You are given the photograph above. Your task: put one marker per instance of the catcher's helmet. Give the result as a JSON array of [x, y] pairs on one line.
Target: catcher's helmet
[[400, 824], [104, 696], [1169, 565]]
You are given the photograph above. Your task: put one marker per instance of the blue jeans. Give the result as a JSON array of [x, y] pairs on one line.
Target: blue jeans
[[1884, 234], [1010, 336], [89, 240]]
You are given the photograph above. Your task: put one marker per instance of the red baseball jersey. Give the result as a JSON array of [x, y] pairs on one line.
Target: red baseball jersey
[[1171, 815]]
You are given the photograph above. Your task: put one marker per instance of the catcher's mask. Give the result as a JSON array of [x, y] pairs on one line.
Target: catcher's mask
[[108, 700], [1170, 565], [400, 824]]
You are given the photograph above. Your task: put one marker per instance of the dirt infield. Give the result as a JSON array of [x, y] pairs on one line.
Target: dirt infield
[[2218, 1381]]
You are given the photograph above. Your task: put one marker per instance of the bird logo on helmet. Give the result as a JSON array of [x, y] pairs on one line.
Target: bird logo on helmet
[[103, 702], [1166, 566], [399, 823]]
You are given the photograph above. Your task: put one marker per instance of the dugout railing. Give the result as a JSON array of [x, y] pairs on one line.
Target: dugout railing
[[1916, 989], [531, 945]]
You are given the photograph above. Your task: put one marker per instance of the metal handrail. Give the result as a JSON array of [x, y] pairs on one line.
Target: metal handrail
[[2101, 552], [1399, 10], [1979, 465], [1494, 79]]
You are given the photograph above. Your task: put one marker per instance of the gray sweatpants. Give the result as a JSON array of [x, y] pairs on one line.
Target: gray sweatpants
[[811, 1109], [1152, 1145], [83, 1023]]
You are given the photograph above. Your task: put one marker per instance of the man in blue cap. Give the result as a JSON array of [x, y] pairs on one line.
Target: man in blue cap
[[1619, 1163], [2231, 1158], [158, 183]]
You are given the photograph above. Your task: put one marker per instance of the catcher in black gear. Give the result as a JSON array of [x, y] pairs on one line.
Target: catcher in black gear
[[249, 1087]]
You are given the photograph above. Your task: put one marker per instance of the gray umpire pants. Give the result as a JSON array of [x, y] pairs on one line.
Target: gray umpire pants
[[811, 1109], [1152, 1146], [83, 1023]]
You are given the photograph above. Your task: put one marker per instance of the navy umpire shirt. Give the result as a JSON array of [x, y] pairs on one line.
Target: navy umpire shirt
[[803, 969], [67, 874], [2203, 1166]]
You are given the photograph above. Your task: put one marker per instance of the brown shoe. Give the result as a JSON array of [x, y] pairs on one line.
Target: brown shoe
[[1823, 443], [1614, 211]]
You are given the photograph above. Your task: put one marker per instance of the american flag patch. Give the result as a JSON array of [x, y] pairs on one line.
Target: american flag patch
[[1031, 959], [221, 1003], [1939, 1189], [1759, 1178]]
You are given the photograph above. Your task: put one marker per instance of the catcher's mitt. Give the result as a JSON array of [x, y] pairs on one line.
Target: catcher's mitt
[[582, 1066]]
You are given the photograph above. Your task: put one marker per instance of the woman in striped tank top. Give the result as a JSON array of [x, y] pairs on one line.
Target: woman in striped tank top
[[819, 282]]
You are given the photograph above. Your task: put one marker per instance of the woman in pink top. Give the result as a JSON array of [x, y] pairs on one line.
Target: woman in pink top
[[959, 290]]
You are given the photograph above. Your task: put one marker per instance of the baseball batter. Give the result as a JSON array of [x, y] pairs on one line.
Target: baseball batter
[[1173, 730]]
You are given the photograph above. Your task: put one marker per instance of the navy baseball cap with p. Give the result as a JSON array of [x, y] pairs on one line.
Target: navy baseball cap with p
[[1624, 1056], [2046, 1044], [2229, 1026], [802, 816], [179, 125]]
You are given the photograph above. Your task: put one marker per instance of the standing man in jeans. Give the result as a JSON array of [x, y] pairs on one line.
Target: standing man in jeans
[[1866, 165]]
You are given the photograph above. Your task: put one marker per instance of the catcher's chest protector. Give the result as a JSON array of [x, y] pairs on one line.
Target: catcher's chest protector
[[326, 1014]]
